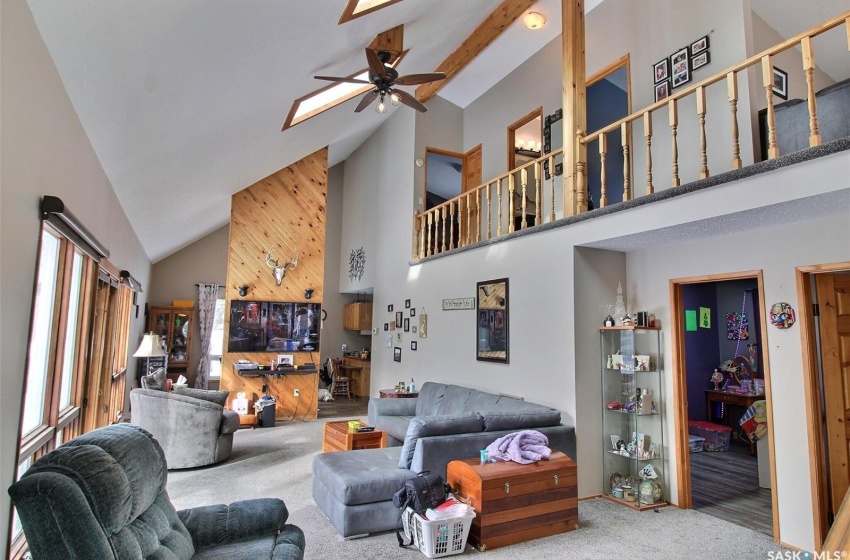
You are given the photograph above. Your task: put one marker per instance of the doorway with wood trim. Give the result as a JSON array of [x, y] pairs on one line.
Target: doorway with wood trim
[[823, 295], [447, 176], [719, 325]]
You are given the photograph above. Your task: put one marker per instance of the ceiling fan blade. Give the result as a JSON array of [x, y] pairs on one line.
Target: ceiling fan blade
[[367, 100], [375, 64], [409, 100], [337, 79], [416, 79]]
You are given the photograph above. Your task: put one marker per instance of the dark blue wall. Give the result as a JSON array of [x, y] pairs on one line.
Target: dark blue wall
[[701, 347], [606, 103]]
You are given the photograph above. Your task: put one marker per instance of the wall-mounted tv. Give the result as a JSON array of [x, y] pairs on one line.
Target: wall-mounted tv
[[272, 326]]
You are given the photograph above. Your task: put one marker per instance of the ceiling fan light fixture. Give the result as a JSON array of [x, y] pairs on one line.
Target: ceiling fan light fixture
[[382, 107], [395, 99], [534, 20]]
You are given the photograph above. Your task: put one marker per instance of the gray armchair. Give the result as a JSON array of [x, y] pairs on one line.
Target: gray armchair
[[193, 427], [102, 495]]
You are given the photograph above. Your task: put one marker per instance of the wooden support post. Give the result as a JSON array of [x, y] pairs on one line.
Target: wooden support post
[[647, 133], [573, 102], [732, 89], [809, 67], [767, 79], [625, 140], [674, 125], [703, 148], [603, 185]]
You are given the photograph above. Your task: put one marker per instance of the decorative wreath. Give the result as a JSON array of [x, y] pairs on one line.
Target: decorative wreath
[[782, 315]]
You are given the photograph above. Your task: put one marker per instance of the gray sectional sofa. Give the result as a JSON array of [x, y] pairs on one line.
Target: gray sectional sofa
[[446, 422]]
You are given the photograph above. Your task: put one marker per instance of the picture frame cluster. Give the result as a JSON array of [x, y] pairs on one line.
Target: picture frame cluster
[[677, 69]]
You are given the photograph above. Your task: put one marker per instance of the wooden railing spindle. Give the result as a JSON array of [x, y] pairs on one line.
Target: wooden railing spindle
[[552, 189], [603, 185], [674, 124], [443, 212], [489, 213], [511, 190], [767, 78], [703, 170], [452, 224], [809, 67], [478, 215], [499, 194], [523, 181], [428, 250], [538, 194], [625, 140], [732, 90], [580, 195], [647, 133]]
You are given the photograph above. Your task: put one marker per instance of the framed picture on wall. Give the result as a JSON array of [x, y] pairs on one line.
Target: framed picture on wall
[[681, 67], [661, 70], [780, 83], [700, 60], [662, 90], [699, 45]]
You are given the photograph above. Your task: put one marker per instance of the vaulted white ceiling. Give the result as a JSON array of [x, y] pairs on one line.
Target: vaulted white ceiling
[[183, 101]]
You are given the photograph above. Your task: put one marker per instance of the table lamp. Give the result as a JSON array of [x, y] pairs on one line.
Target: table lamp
[[149, 348]]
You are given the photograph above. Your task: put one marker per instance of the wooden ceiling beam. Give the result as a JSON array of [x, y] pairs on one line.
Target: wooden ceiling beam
[[391, 40], [493, 25]]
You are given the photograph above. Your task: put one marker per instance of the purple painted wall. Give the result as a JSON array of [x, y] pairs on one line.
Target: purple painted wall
[[701, 347]]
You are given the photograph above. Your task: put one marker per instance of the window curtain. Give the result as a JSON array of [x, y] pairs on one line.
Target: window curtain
[[207, 294]]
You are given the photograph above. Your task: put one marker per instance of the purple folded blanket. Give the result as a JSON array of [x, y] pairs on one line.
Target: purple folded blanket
[[527, 446]]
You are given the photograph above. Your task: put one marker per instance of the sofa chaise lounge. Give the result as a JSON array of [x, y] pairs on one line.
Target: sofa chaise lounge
[[444, 423]]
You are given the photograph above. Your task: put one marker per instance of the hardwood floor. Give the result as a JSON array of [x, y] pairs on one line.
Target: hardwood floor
[[726, 485], [342, 407]]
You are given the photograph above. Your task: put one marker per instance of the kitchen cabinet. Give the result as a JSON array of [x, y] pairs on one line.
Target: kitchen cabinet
[[357, 316]]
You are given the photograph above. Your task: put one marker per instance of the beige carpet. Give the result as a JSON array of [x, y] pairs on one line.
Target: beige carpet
[[276, 462]]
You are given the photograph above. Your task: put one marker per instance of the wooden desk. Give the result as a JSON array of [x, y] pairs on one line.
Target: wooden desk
[[734, 399], [392, 394], [338, 436]]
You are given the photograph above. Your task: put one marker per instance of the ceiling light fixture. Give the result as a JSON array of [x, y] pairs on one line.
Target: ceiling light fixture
[[382, 107], [534, 20], [395, 99]]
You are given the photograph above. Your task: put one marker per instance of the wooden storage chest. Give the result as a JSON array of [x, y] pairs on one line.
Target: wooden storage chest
[[516, 503]]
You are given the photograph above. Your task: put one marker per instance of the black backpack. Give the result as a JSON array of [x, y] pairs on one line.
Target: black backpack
[[325, 374]]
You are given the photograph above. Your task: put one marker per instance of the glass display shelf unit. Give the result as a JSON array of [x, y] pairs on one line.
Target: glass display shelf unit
[[632, 421]]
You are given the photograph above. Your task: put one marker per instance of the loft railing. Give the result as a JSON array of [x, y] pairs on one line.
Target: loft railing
[[523, 197], [526, 196]]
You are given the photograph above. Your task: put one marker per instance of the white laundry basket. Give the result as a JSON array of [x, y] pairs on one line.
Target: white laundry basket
[[440, 537]]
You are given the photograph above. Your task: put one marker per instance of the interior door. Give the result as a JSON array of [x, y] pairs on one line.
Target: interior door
[[834, 323], [471, 179]]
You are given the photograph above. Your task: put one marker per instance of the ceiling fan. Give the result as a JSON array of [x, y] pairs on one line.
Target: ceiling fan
[[385, 78]]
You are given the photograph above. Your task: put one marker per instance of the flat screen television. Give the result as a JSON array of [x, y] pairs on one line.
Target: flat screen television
[[274, 326]]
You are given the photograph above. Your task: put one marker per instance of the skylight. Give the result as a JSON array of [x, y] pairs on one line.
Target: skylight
[[356, 8], [329, 97]]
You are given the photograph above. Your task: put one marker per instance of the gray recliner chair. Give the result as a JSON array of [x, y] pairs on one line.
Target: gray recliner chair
[[102, 495], [193, 427]]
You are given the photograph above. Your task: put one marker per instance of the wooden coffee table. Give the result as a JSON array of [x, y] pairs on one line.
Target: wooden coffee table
[[339, 437]]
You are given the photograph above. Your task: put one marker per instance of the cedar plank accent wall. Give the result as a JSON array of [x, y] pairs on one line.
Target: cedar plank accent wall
[[285, 211]]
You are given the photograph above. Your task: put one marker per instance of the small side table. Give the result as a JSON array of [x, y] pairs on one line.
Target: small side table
[[338, 436], [392, 394]]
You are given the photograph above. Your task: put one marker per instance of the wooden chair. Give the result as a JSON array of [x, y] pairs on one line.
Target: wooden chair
[[341, 383]]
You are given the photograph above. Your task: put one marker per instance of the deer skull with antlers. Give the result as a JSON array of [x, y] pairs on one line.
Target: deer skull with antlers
[[278, 271]]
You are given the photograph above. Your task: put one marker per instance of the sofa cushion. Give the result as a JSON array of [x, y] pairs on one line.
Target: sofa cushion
[[363, 476], [423, 426], [217, 397], [495, 421], [396, 426]]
